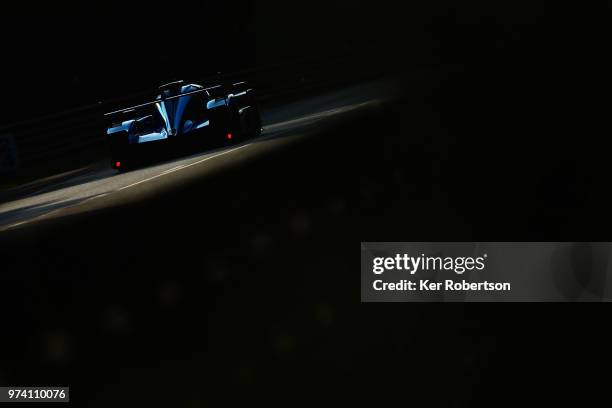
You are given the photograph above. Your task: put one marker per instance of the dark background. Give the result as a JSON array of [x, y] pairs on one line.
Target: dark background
[[506, 138], [73, 53], [68, 54]]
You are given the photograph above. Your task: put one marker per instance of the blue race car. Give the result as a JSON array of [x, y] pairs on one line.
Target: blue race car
[[186, 115]]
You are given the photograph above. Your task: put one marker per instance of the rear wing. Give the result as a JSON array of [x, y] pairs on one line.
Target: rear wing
[[207, 91], [211, 92]]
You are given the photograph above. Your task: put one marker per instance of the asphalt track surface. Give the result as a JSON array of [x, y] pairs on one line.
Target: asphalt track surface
[[104, 187]]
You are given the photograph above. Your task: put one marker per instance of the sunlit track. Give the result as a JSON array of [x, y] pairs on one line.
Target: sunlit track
[[103, 188]]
